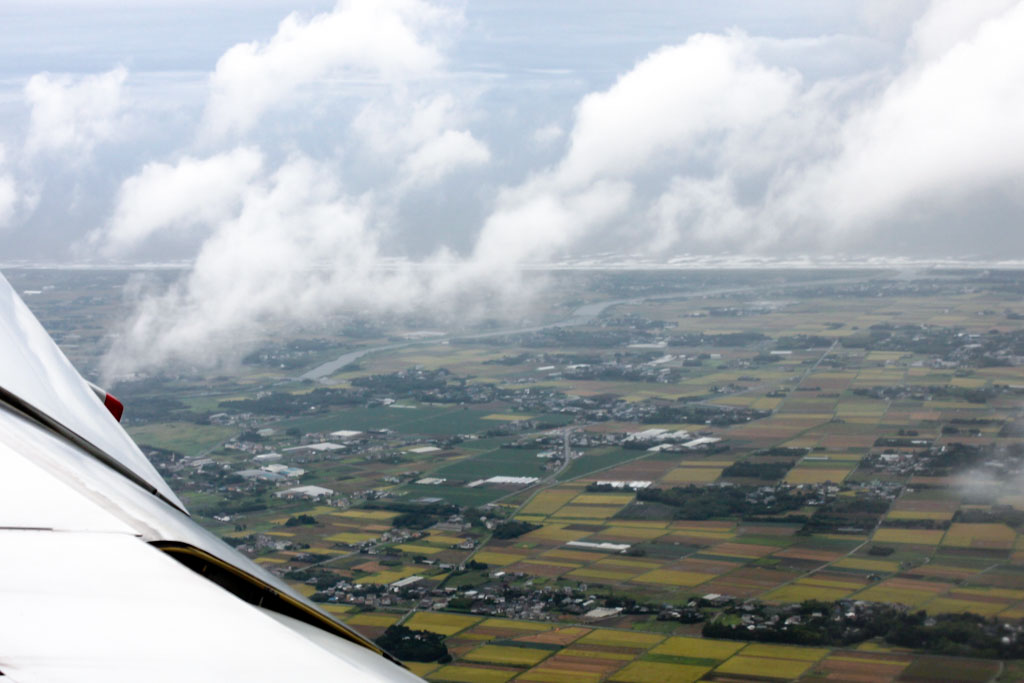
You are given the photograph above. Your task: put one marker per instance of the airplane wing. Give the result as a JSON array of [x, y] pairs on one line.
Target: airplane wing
[[103, 574]]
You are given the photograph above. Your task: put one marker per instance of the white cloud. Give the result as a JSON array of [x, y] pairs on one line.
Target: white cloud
[[655, 116], [391, 40], [191, 192], [947, 22], [8, 199], [74, 114], [945, 129], [549, 134], [8, 192], [704, 146], [296, 250], [422, 139], [830, 164], [436, 158], [667, 102]]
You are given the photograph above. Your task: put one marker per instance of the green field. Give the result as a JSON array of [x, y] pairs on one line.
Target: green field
[[184, 437]]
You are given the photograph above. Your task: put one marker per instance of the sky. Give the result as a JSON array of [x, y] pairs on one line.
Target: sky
[[385, 155]]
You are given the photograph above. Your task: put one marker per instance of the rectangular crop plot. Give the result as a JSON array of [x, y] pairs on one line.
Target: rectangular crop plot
[[763, 667], [692, 475], [992, 536], [367, 514], [672, 577], [546, 502], [867, 565], [508, 656], [703, 648], [603, 498], [373, 619], [815, 475], [440, 622], [621, 638], [646, 672]]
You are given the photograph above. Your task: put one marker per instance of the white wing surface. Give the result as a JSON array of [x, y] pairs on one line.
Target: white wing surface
[[103, 575]]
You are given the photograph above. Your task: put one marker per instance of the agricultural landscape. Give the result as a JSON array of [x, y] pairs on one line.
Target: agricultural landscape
[[658, 476]]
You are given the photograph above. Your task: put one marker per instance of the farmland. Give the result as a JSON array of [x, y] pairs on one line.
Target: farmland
[[580, 502]]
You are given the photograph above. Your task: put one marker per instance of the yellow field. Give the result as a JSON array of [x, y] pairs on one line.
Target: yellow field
[[979, 536], [868, 565], [603, 498], [546, 502], [509, 656], [438, 622], [472, 674], [443, 540], [588, 511], [421, 669], [692, 475], [596, 574], [766, 403], [303, 589], [373, 619], [367, 514], [918, 536], [674, 578], [621, 638], [763, 666], [500, 559], [351, 537], [337, 610], [919, 514], [507, 417], [682, 646], [815, 475], [543, 675], [645, 672], [419, 549]]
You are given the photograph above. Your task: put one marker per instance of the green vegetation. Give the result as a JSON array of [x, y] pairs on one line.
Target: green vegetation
[[414, 646]]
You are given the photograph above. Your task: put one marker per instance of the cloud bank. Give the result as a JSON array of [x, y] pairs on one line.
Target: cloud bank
[[72, 115], [316, 150]]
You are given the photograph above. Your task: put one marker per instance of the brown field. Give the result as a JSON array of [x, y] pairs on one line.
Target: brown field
[[863, 667]]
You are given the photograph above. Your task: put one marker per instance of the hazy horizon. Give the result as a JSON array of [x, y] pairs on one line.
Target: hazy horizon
[[421, 154]]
